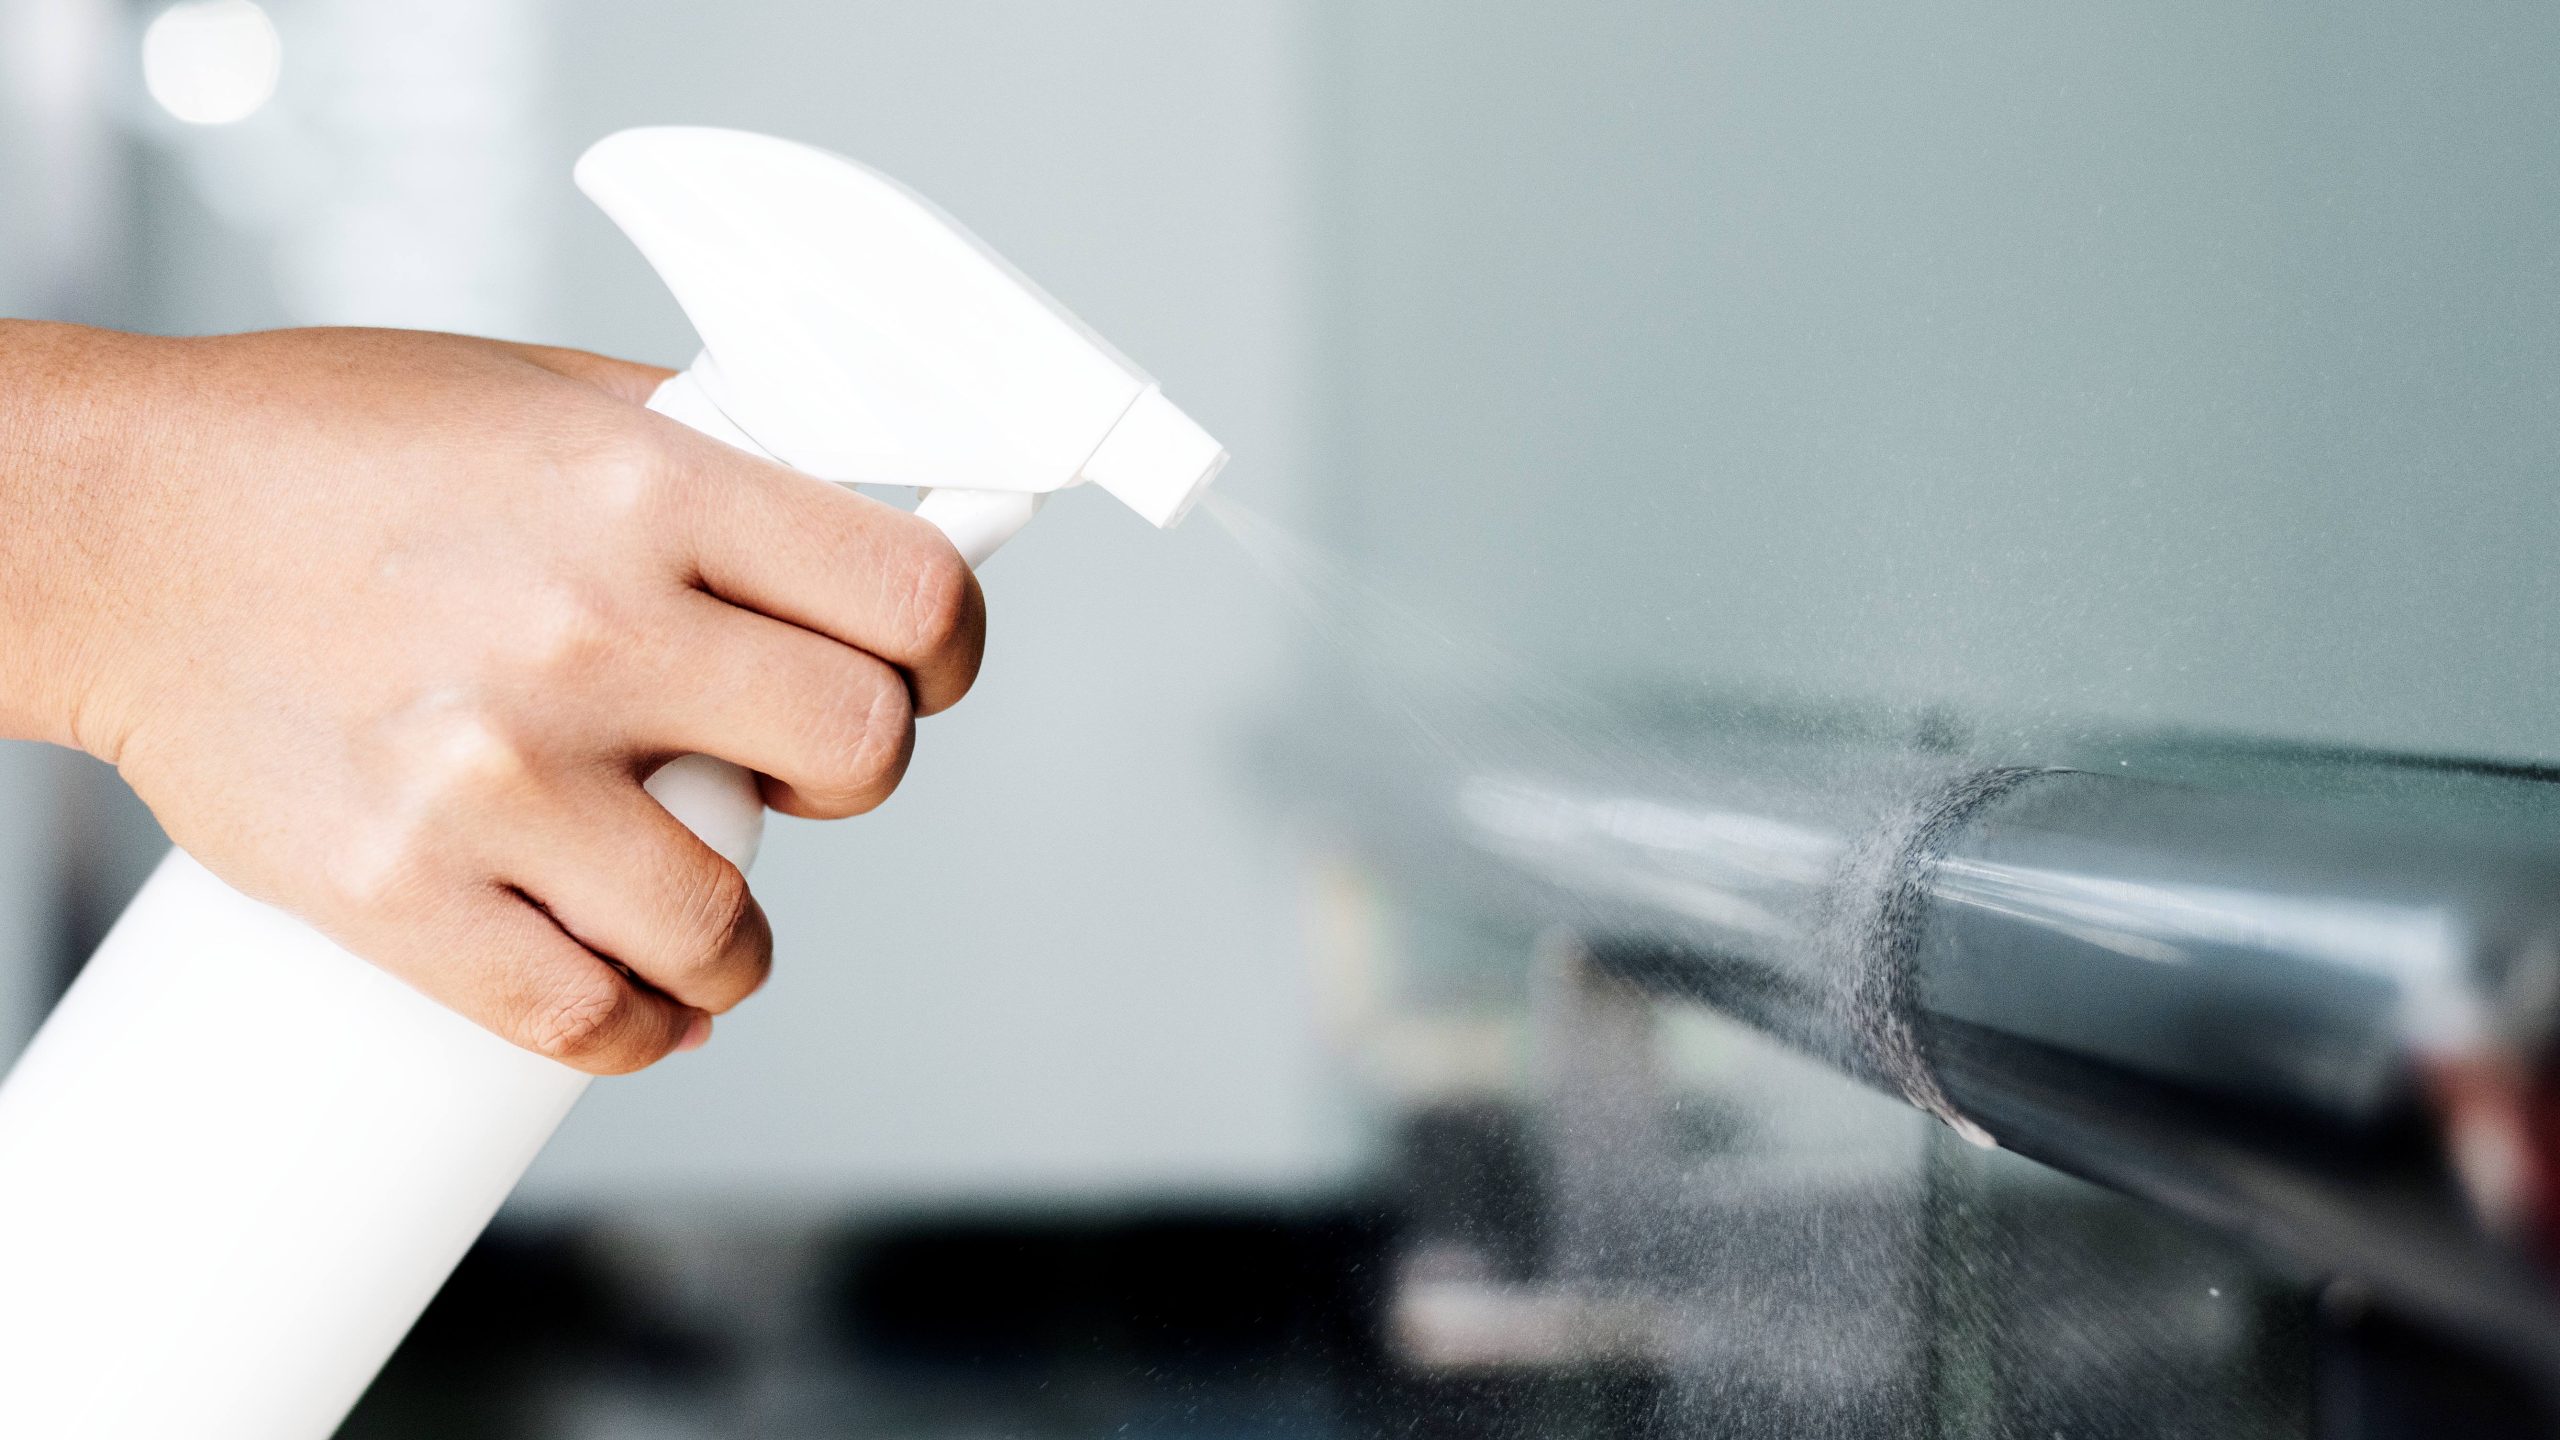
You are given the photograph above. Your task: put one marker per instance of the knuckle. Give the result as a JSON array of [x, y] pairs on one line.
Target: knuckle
[[440, 768], [465, 753], [625, 470], [938, 604], [581, 1023], [563, 626], [733, 951], [375, 868], [864, 732], [717, 913]]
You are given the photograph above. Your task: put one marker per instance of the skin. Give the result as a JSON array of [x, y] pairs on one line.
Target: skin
[[388, 628]]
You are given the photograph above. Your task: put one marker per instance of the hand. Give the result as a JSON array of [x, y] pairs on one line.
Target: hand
[[388, 628]]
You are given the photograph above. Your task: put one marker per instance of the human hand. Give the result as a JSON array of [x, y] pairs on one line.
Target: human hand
[[388, 628]]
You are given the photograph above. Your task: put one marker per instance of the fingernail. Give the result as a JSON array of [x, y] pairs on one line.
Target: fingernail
[[697, 1034]]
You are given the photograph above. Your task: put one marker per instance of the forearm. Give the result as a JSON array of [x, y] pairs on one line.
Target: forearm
[[71, 413]]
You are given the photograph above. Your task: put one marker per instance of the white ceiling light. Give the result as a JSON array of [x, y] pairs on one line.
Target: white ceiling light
[[211, 62]]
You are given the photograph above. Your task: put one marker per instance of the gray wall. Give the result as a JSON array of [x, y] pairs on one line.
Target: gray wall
[[2177, 363]]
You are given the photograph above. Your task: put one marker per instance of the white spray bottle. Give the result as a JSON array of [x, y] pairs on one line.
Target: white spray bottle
[[238, 1161]]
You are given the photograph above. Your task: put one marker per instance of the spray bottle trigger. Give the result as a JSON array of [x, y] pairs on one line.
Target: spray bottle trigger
[[979, 521]]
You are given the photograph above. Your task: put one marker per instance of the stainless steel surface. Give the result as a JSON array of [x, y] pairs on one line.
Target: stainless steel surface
[[2284, 1006]]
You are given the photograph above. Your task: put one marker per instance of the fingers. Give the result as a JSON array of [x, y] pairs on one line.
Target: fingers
[[830, 727], [626, 880], [809, 626], [863, 573], [534, 985]]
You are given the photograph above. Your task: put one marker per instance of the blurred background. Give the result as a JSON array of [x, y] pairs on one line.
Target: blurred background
[[1625, 397]]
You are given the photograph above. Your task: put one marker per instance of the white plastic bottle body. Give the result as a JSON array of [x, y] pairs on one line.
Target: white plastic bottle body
[[235, 1165]]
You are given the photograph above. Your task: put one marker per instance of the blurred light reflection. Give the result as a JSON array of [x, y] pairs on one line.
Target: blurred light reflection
[[212, 62]]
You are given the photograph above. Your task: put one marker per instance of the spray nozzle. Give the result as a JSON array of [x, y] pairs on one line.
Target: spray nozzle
[[854, 331]]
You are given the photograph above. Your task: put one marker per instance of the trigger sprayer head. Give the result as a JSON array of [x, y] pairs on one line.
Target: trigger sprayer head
[[852, 330]]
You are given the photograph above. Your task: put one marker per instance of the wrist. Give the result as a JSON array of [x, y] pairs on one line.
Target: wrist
[[68, 422]]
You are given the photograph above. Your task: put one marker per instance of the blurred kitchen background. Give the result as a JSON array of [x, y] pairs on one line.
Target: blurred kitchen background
[[2170, 389]]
